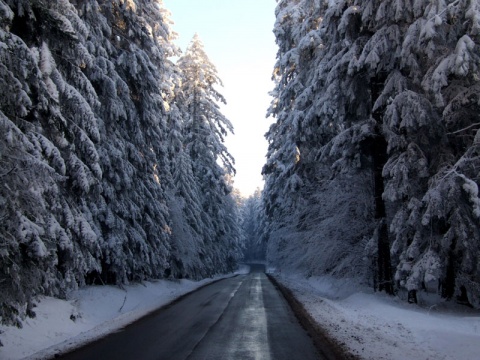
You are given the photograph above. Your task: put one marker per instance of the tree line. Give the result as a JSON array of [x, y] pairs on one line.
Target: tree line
[[372, 166], [113, 166]]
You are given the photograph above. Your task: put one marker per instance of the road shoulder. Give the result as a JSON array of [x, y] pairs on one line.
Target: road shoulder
[[326, 345]]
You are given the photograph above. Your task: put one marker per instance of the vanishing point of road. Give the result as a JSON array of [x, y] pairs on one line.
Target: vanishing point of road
[[243, 317]]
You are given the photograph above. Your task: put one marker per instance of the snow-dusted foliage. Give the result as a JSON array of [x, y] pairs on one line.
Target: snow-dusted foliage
[[97, 184], [184, 203], [253, 225], [310, 144], [204, 132], [390, 88]]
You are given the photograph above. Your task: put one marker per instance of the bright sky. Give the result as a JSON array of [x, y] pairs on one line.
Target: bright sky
[[239, 41]]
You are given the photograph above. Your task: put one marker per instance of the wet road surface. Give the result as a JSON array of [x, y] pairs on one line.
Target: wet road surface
[[243, 317]]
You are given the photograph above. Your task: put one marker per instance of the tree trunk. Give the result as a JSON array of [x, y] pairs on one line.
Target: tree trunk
[[384, 267], [412, 297], [448, 283]]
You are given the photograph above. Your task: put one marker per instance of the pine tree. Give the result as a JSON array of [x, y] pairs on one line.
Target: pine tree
[[205, 131], [436, 228], [131, 74], [55, 144], [184, 204], [82, 147], [311, 162]]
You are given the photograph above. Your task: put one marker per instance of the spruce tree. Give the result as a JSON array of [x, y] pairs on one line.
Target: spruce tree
[[205, 131]]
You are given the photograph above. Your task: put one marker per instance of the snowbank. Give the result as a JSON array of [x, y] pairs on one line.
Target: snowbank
[[376, 326], [372, 326], [90, 313]]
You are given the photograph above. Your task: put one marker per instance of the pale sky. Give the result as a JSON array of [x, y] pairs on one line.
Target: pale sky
[[239, 41]]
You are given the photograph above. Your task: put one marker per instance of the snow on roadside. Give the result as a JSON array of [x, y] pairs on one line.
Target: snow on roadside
[[376, 326], [96, 310]]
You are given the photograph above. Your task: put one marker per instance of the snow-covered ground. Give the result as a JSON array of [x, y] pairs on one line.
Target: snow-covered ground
[[372, 326], [377, 326], [95, 310]]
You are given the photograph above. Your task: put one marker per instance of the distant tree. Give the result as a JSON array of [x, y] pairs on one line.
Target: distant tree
[[252, 226], [204, 134]]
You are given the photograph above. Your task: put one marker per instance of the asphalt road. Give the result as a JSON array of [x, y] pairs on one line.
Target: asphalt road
[[243, 317]]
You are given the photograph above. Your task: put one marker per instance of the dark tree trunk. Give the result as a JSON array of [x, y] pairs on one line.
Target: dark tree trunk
[[448, 283], [412, 297], [384, 267]]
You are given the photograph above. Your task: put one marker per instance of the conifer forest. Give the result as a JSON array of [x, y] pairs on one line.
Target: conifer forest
[[114, 168]]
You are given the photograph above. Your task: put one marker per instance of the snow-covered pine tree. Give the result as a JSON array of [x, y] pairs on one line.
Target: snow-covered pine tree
[[144, 67], [281, 169], [433, 134], [187, 223], [252, 226], [413, 72], [63, 58], [283, 183], [82, 155], [25, 173], [391, 88], [130, 43], [185, 203], [308, 200], [205, 131], [232, 236], [57, 245], [116, 206]]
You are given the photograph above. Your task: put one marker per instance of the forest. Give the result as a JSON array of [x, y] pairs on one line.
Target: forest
[[114, 170], [112, 161], [373, 163]]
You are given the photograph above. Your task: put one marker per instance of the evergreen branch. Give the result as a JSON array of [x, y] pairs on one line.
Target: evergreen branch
[[466, 128], [8, 172], [448, 6]]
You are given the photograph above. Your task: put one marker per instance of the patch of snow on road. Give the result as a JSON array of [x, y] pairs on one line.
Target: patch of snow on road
[[377, 326]]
